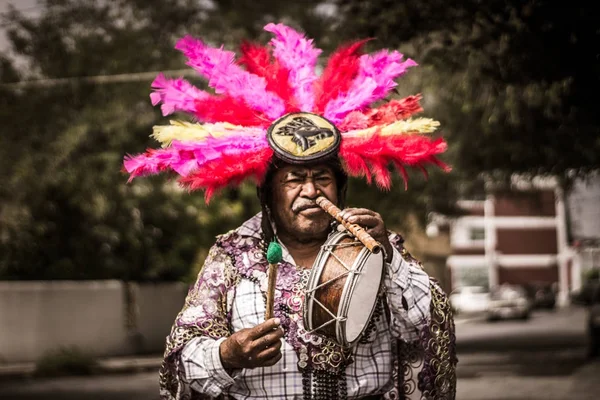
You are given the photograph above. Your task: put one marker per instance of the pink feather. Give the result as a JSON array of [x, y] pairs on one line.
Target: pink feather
[[356, 98], [376, 77], [231, 169], [297, 54], [150, 163], [257, 60], [175, 95], [384, 67], [338, 75], [186, 157], [218, 66]]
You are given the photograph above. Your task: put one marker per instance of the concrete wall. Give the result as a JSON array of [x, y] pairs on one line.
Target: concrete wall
[[99, 317], [158, 305]]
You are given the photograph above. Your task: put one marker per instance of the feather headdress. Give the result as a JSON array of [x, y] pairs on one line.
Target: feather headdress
[[274, 91]]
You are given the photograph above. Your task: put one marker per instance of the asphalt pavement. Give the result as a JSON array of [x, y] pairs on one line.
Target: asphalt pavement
[[543, 358]]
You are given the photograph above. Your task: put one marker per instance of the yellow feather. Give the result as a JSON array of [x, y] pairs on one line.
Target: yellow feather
[[189, 132], [419, 125], [407, 127]]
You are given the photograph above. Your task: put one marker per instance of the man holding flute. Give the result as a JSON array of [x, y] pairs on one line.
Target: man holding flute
[[222, 344]]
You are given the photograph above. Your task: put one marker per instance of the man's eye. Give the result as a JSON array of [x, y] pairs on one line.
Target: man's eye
[[324, 179], [294, 180]]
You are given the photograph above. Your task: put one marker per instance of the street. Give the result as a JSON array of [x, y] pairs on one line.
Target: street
[[542, 358], [142, 386]]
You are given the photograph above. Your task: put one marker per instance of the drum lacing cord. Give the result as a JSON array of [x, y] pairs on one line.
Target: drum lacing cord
[[349, 271], [331, 321]]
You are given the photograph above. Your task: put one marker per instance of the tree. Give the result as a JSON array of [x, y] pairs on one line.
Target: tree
[[66, 210], [514, 83]]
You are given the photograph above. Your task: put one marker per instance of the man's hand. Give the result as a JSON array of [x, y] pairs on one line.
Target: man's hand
[[259, 346], [373, 224]]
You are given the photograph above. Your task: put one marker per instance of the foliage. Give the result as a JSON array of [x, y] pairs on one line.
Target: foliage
[[66, 211], [592, 274], [515, 84]]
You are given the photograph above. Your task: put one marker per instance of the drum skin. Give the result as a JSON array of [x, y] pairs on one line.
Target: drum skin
[[338, 287]]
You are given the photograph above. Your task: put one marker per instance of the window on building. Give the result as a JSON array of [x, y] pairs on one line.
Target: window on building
[[477, 234], [472, 277]]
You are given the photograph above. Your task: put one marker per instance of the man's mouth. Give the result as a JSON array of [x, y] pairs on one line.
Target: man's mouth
[[305, 207]]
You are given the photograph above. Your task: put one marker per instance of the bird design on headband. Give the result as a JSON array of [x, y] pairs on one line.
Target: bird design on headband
[[305, 132], [271, 103]]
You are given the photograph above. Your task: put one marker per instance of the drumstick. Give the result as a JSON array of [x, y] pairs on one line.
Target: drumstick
[[274, 256], [358, 232]]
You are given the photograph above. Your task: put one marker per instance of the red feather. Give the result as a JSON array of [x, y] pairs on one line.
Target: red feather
[[339, 73], [388, 113], [403, 173], [396, 110], [442, 165], [366, 156], [383, 177], [356, 166], [258, 61], [228, 109], [230, 169]]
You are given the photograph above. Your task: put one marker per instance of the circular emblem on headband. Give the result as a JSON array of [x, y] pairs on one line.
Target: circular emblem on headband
[[301, 137]]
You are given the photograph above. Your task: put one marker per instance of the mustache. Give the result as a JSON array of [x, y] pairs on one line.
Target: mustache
[[303, 204]]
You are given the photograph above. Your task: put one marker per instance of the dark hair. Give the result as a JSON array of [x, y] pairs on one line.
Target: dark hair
[[265, 192]]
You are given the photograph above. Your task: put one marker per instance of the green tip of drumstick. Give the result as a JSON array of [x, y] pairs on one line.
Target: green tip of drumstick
[[274, 253]]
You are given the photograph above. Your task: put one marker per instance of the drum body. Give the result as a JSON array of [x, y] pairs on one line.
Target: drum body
[[342, 289]]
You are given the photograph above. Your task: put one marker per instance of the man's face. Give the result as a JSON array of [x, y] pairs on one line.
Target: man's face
[[295, 190]]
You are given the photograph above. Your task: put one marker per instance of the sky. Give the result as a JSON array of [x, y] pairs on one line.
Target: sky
[[27, 6]]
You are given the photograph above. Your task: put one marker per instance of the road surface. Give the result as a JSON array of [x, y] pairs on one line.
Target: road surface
[[542, 358]]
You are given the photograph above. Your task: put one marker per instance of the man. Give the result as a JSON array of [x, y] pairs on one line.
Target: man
[[317, 133]]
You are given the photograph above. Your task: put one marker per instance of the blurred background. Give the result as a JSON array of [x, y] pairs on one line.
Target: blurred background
[[94, 269]]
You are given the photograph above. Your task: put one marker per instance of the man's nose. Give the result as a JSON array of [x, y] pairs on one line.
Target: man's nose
[[309, 190]]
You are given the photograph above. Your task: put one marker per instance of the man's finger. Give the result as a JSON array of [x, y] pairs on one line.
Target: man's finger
[[268, 338], [347, 212], [364, 220], [269, 352], [272, 361], [261, 329]]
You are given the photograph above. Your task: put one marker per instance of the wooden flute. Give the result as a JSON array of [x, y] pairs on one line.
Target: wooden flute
[[356, 230]]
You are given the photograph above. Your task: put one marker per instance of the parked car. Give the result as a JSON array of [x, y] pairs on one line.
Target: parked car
[[470, 299], [541, 295], [508, 301]]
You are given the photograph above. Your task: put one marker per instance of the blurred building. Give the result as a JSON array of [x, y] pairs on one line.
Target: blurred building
[[583, 210], [431, 248], [516, 236]]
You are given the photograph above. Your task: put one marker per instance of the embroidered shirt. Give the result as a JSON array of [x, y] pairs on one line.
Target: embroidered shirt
[[408, 296]]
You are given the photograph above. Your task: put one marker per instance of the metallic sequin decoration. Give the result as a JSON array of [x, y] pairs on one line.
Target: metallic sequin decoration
[[433, 355], [424, 368]]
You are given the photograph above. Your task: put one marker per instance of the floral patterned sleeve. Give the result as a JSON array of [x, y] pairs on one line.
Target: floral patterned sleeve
[[192, 366], [408, 293]]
